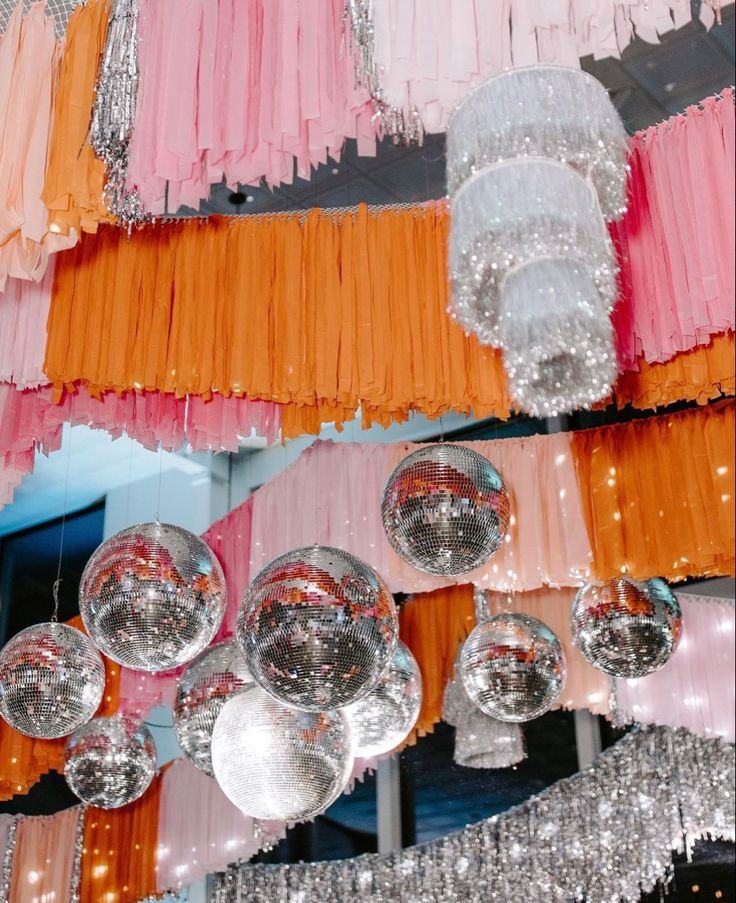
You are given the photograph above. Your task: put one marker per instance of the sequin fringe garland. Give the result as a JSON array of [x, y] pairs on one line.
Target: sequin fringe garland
[[403, 126], [605, 834], [114, 112], [77, 864]]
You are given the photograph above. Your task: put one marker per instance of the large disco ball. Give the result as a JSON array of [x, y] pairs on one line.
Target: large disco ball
[[383, 719], [318, 628], [110, 762], [275, 762], [208, 682], [512, 667], [51, 680], [445, 509], [626, 628], [152, 597]]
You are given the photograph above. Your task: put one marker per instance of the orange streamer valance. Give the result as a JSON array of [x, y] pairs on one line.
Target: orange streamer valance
[[324, 312], [658, 494], [24, 759]]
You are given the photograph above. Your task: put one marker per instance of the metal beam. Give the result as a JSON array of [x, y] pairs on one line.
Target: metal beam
[[388, 805]]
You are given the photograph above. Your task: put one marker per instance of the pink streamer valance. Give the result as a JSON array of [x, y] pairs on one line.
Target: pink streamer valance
[[244, 90], [696, 689], [30, 421], [430, 53], [677, 241], [24, 309], [332, 495]]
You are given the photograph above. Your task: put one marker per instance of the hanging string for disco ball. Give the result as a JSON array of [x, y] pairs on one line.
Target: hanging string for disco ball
[[384, 718], [51, 676], [512, 667], [318, 628], [277, 763], [216, 675], [445, 509], [110, 762], [152, 596], [626, 628]]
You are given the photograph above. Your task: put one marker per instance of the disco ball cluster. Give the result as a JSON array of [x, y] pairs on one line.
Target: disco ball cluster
[[275, 762], [385, 717], [51, 680], [215, 676], [513, 667], [152, 597], [445, 509], [110, 762], [318, 628], [626, 628]]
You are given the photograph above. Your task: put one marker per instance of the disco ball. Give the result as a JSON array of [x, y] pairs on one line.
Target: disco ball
[[110, 762], [208, 682], [445, 510], [51, 680], [318, 628], [275, 762], [383, 718], [513, 667], [626, 628], [152, 597]]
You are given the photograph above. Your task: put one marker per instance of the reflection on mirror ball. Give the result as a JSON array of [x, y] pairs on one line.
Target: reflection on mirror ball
[[208, 682], [110, 762], [51, 680], [445, 509], [626, 628], [274, 762], [513, 667], [318, 628], [385, 717], [152, 597]]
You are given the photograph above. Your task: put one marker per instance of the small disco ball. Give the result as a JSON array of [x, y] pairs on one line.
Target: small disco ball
[[445, 510], [626, 628], [208, 682], [318, 628], [275, 762], [383, 719], [513, 667], [110, 762], [152, 597], [51, 680]]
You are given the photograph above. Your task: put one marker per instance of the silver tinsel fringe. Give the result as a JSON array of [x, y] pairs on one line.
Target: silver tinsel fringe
[[542, 111], [8, 861], [515, 212], [77, 863], [113, 114], [404, 127], [603, 835]]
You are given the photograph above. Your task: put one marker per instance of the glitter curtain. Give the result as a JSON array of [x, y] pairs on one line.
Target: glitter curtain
[[607, 833]]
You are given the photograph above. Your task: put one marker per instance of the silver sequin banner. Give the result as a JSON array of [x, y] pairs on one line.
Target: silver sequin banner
[[607, 833], [114, 111], [74, 887]]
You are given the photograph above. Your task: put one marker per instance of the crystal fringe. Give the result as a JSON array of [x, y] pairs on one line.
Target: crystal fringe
[[514, 212], [605, 834], [74, 889], [113, 114], [542, 111], [558, 343]]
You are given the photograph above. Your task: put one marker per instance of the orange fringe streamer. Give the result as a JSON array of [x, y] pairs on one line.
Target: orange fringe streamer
[[658, 494]]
